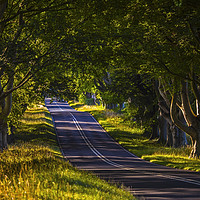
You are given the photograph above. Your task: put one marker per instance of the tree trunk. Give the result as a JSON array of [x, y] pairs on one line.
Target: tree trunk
[[121, 106], [169, 141], [192, 126], [182, 134], [195, 153], [11, 137], [154, 133], [2, 118], [175, 136], [3, 135], [162, 124], [183, 139], [5, 109], [110, 106]]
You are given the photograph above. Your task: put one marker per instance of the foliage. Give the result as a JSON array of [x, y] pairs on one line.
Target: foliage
[[23, 98], [34, 38], [117, 49]]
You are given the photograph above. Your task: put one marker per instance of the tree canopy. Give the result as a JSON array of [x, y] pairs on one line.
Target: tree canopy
[[146, 51]]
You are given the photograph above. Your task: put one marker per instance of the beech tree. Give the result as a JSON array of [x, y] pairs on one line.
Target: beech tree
[[31, 43], [169, 44], [161, 39]]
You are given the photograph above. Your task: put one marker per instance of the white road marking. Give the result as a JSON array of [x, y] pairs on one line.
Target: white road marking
[[108, 161]]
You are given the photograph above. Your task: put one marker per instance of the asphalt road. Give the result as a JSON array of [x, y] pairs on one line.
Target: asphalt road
[[87, 146]]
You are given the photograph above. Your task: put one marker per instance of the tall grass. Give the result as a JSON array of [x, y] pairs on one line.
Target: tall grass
[[133, 139], [33, 167]]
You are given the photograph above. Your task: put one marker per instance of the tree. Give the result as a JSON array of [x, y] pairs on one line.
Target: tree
[[170, 49], [169, 133], [159, 38], [30, 46]]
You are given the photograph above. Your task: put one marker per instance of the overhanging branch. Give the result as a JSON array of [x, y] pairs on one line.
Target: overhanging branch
[[49, 8], [20, 84]]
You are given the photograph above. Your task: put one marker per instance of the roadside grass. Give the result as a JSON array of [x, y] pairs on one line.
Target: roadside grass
[[37, 127], [133, 139], [33, 167]]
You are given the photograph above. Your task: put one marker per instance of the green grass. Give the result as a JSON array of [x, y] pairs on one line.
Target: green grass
[[33, 167], [133, 139], [37, 127]]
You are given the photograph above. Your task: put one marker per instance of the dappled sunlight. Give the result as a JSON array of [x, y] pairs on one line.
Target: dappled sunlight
[[35, 168], [174, 161], [66, 128], [87, 146], [37, 173], [63, 120]]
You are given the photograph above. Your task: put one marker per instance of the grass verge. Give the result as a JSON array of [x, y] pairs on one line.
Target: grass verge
[[33, 167], [133, 140]]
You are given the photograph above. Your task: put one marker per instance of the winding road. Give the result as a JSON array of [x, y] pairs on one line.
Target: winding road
[[88, 147]]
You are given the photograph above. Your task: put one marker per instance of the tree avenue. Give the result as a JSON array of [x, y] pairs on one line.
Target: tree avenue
[[142, 52]]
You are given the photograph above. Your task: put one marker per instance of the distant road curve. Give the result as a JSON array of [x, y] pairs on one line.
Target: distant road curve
[[87, 146]]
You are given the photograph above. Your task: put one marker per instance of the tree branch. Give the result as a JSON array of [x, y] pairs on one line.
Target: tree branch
[[8, 99], [187, 110], [20, 84], [163, 107], [163, 94], [37, 11], [99, 85], [174, 74], [7, 83], [195, 88], [174, 116], [166, 117]]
